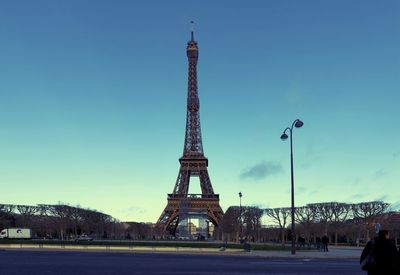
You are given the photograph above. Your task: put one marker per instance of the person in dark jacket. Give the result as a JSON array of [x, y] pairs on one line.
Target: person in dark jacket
[[384, 252], [325, 242], [398, 262]]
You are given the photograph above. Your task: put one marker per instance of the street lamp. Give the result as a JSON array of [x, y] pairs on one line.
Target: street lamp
[[297, 123], [240, 216]]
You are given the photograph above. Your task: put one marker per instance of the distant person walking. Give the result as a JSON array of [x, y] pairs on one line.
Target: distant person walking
[[325, 242], [384, 254]]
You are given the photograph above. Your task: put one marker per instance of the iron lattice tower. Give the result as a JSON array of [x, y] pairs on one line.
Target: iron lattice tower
[[193, 163]]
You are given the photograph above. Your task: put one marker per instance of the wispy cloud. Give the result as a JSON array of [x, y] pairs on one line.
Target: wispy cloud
[[261, 170], [312, 156], [381, 173], [356, 181], [301, 189], [312, 193]]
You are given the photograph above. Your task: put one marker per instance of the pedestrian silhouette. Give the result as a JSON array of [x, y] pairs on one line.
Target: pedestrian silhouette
[[384, 255], [325, 241], [398, 262]]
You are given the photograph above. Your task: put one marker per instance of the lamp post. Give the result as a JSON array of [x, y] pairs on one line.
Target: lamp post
[[240, 216], [297, 123]]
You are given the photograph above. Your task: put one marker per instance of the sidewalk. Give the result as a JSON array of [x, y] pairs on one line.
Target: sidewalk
[[334, 252]]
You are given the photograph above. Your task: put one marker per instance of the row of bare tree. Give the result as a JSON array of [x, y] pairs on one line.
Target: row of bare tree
[[65, 222], [341, 222], [240, 221], [58, 221]]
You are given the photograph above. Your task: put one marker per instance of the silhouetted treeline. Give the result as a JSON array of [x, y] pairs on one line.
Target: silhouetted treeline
[[59, 221], [341, 222], [65, 222]]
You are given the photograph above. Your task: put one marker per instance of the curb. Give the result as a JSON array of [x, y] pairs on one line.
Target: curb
[[181, 251]]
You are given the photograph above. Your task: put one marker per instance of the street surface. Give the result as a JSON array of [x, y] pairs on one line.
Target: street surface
[[78, 262]]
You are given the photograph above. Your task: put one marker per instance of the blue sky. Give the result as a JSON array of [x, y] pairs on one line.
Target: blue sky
[[93, 93]]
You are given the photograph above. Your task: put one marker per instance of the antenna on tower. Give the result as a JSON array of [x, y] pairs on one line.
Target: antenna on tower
[[192, 29]]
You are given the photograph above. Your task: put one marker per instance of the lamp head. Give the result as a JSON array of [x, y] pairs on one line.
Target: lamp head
[[298, 123], [284, 136], [240, 194]]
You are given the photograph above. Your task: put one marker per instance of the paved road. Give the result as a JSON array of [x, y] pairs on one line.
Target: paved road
[[99, 263]]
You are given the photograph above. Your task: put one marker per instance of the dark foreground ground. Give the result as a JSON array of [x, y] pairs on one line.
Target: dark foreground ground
[[65, 262]]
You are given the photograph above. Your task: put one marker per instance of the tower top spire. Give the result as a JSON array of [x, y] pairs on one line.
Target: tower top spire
[[192, 50], [192, 30]]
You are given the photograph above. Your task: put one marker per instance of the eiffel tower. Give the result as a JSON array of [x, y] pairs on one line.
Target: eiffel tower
[[182, 205]]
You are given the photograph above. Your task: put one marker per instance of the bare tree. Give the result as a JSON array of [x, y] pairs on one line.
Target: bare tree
[[138, 231], [60, 216], [231, 223], [7, 208], [306, 218], [26, 214], [7, 217], [324, 214], [252, 221], [340, 213], [279, 216], [366, 213]]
